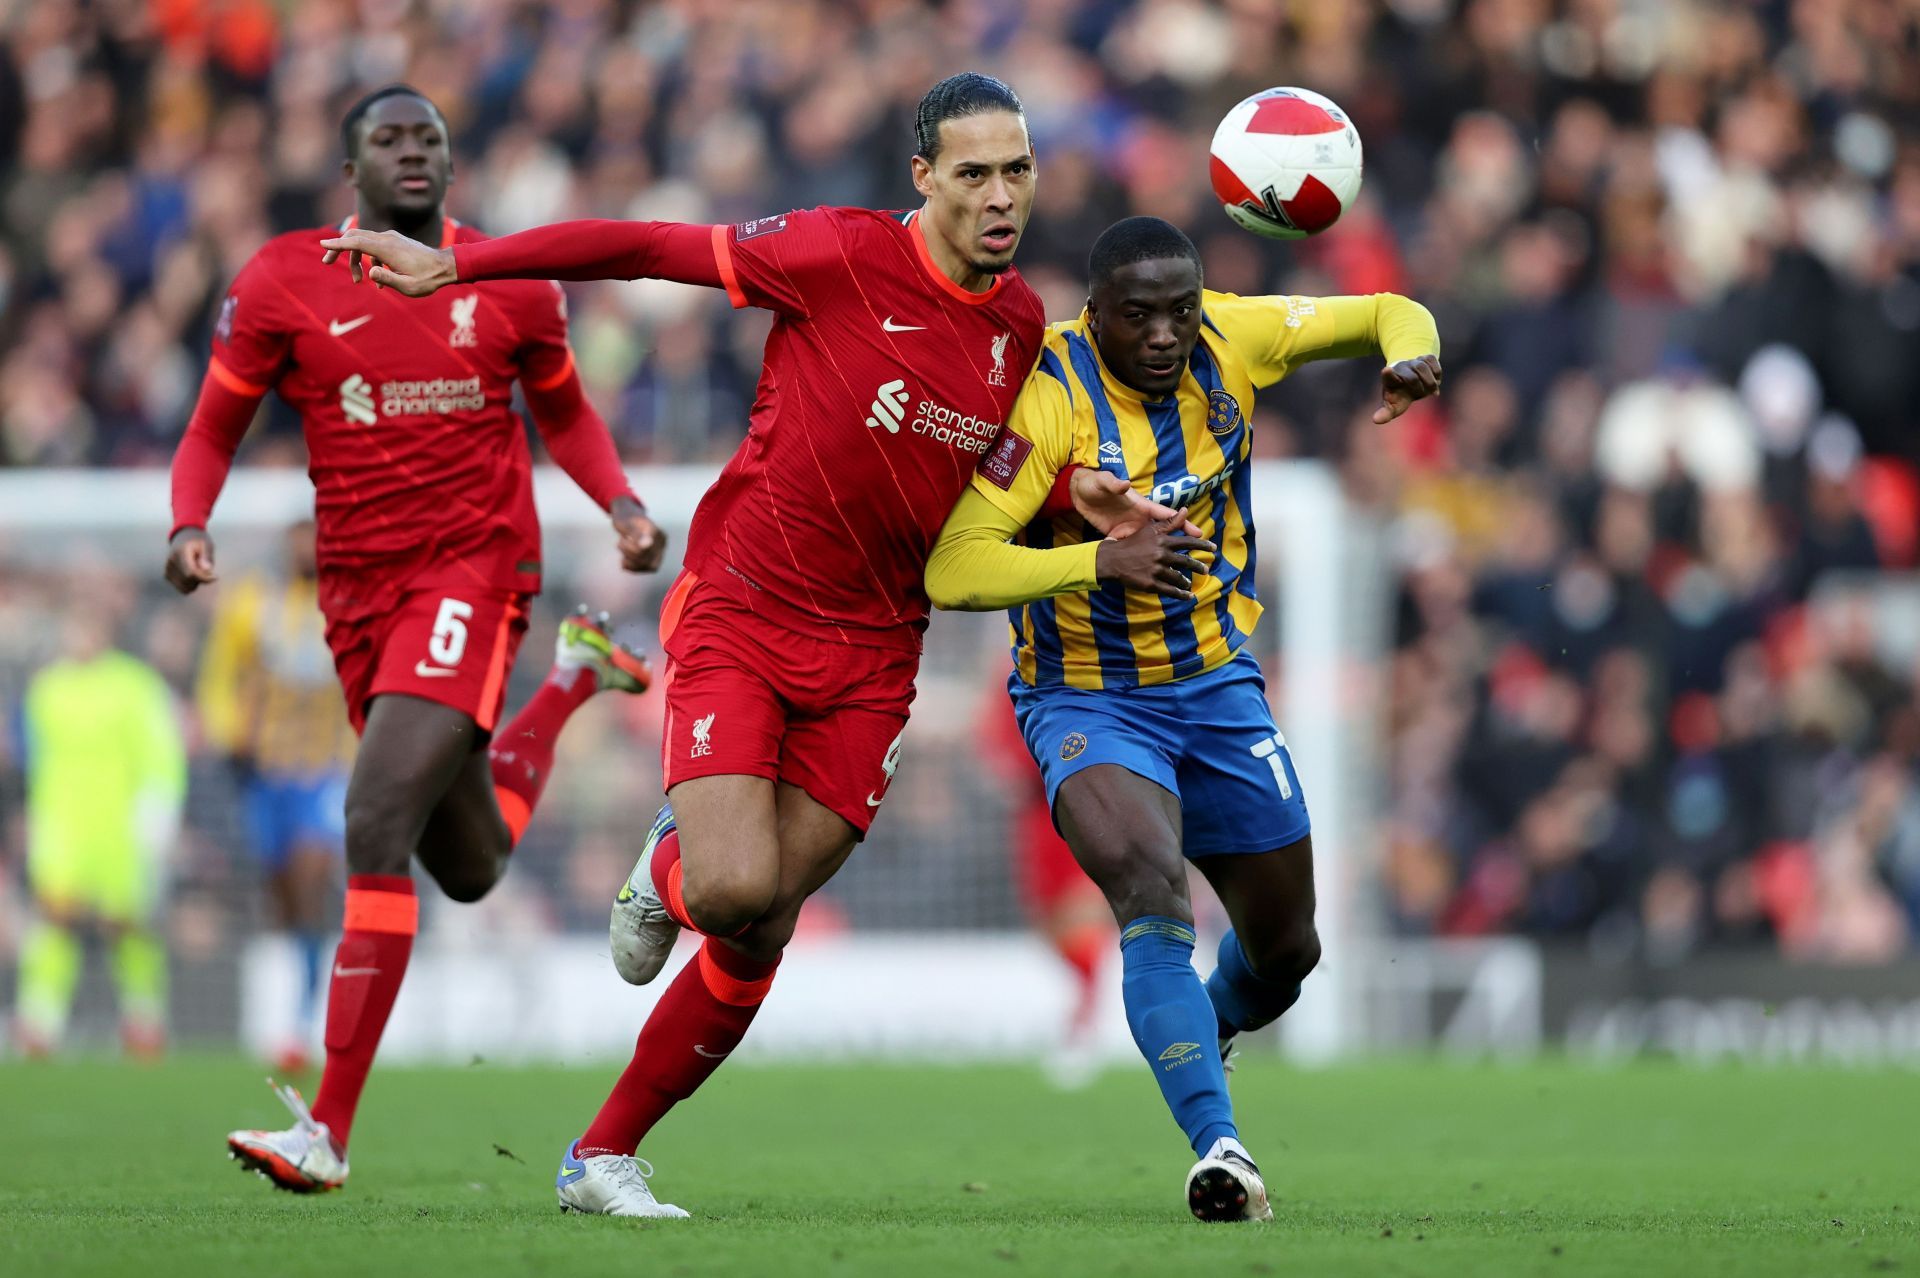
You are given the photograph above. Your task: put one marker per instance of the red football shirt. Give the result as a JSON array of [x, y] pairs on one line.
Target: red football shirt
[[421, 471], [883, 386]]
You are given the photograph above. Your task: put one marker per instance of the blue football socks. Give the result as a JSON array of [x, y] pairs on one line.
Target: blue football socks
[[1241, 1000], [1173, 1024]]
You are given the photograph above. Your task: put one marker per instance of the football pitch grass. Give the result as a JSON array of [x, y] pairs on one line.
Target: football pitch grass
[[1410, 1168]]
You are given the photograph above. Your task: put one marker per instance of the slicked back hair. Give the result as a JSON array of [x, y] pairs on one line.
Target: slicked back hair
[[968, 93]]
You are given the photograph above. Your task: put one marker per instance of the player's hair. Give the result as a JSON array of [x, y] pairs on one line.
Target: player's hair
[[350, 126], [968, 93], [1137, 239]]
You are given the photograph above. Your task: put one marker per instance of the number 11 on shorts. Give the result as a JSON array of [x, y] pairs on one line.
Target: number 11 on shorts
[[1269, 750]]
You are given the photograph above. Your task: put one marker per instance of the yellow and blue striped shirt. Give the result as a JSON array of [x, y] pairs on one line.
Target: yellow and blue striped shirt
[[1190, 448], [267, 688]]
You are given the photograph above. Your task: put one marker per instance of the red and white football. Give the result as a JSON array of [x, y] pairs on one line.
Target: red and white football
[[1285, 163]]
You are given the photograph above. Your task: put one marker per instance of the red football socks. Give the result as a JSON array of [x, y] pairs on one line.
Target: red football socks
[[382, 916], [522, 753], [700, 1019], [1084, 948], [667, 877]]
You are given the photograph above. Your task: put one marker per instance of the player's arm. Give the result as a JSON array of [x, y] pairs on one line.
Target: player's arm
[[577, 437], [595, 249], [972, 566], [1275, 335], [249, 348]]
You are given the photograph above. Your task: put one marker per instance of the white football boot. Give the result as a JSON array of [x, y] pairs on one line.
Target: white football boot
[[609, 1185], [300, 1159], [1225, 1185], [641, 931]]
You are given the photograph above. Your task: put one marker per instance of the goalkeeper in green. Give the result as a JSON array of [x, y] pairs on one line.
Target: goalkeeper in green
[[106, 776]]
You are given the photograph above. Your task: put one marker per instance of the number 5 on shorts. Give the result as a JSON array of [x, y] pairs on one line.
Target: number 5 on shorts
[[449, 641], [1270, 751]]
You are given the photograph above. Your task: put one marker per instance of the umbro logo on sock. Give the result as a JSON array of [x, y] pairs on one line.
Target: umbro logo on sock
[[1180, 1054]]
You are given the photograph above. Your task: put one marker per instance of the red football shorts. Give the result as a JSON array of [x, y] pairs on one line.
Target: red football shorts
[[453, 647], [746, 697]]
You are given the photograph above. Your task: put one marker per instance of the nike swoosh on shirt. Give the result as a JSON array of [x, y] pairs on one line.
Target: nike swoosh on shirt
[[712, 1056], [886, 323], [426, 671], [337, 328], [355, 971]]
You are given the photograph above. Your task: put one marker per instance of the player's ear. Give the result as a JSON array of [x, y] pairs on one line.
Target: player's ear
[[922, 175]]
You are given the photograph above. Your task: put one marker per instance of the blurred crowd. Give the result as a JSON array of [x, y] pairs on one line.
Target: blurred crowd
[[1653, 684]]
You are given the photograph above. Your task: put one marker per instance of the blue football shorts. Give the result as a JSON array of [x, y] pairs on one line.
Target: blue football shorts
[[289, 812], [1210, 740]]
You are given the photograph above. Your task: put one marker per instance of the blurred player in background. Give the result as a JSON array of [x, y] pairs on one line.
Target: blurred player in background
[[270, 702], [428, 556], [897, 348], [1132, 684], [1061, 902], [106, 779]]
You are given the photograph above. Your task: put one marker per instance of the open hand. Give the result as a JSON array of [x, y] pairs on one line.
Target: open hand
[[1113, 506], [405, 265], [1155, 558], [1402, 383], [190, 560]]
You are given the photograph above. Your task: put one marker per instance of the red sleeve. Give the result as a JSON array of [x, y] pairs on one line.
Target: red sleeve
[[784, 263], [594, 250], [250, 344], [575, 434], [1060, 500], [220, 420]]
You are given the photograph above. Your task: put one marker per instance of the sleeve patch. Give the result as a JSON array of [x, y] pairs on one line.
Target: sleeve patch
[[1002, 466], [759, 226], [223, 327]]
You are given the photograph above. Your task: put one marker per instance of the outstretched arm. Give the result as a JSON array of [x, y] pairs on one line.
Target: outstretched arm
[[1278, 334], [577, 438], [587, 250]]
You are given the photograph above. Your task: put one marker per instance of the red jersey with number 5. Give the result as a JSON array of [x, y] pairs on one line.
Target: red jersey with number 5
[[421, 471], [884, 386]]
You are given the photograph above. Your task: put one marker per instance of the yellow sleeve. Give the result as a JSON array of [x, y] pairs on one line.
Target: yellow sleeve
[[1275, 335], [973, 569], [224, 688], [1031, 450]]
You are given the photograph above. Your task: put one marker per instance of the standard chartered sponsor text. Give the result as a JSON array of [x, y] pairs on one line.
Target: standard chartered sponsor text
[[946, 426], [439, 395]]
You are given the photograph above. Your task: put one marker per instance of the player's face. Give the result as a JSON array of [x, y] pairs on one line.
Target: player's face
[[404, 163], [979, 188], [1145, 319]]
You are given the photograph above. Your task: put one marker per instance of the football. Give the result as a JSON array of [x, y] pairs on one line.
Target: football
[[1285, 163]]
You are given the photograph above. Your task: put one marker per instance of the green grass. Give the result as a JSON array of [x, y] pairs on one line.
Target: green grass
[[1407, 1168]]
